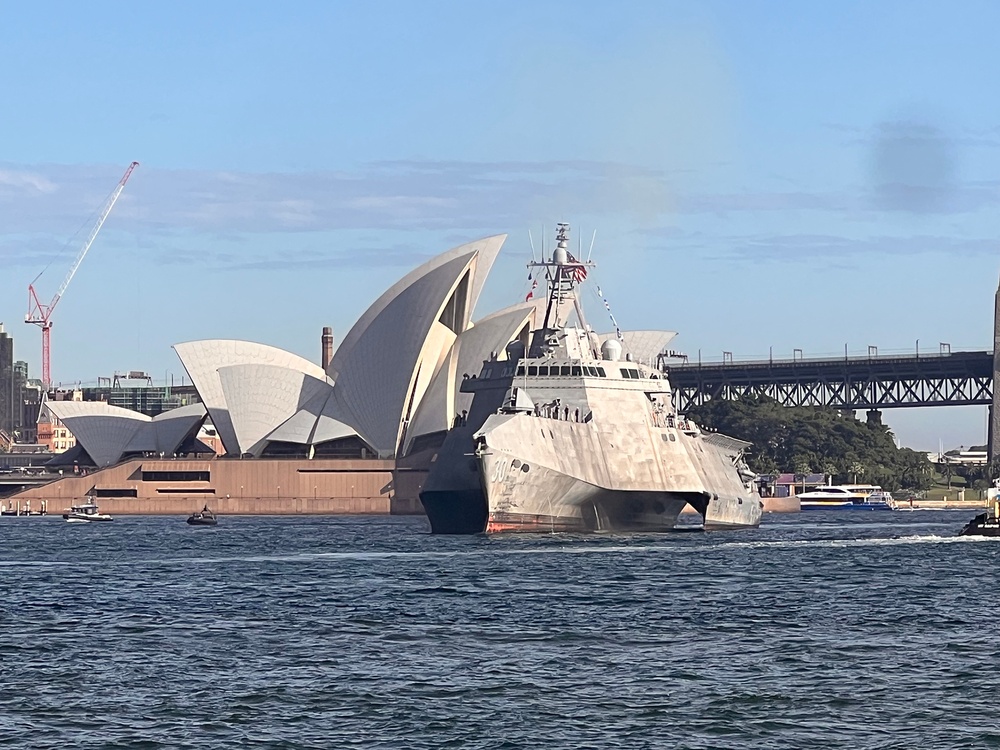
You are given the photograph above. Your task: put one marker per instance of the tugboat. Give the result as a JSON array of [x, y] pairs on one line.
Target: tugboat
[[86, 513], [985, 524], [205, 517]]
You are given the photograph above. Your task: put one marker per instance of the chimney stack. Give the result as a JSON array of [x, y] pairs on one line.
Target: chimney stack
[[327, 347]]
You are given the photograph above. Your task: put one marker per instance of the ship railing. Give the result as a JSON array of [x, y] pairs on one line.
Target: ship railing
[[560, 413]]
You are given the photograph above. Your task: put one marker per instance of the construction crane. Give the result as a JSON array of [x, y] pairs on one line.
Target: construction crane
[[41, 315]]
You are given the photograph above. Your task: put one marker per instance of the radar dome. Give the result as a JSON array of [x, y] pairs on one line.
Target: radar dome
[[611, 350], [560, 255]]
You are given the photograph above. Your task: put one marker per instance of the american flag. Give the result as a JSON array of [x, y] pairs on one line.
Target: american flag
[[579, 273]]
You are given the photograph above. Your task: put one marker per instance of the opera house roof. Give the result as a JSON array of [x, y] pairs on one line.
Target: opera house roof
[[109, 433]]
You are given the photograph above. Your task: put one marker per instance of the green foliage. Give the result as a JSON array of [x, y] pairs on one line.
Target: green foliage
[[816, 440], [973, 474]]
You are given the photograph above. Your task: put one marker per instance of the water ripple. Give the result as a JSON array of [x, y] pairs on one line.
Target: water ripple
[[820, 631]]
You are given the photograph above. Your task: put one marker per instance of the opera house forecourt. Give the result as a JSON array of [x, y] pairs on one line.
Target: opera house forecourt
[[299, 437]]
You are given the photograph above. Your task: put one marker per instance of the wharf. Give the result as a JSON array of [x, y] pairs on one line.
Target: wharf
[[945, 504], [14, 508]]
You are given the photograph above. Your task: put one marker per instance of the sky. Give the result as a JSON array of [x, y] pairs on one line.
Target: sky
[[761, 176]]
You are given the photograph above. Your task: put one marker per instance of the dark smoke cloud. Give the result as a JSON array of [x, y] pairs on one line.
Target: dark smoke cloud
[[913, 167]]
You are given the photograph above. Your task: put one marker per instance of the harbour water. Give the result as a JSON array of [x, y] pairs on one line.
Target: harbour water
[[832, 630]]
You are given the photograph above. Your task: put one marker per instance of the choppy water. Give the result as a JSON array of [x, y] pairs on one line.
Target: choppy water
[[822, 630]]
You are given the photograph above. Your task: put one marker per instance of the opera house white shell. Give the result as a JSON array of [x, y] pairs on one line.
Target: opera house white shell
[[109, 433]]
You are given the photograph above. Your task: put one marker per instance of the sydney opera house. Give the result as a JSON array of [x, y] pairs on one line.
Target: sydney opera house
[[352, 435]]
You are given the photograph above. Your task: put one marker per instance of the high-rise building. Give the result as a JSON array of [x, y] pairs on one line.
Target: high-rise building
[[7, 390]]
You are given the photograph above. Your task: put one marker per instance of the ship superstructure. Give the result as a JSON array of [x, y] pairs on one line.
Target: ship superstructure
[[570, 435]]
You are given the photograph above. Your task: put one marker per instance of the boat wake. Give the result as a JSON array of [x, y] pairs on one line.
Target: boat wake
[[550, 549]]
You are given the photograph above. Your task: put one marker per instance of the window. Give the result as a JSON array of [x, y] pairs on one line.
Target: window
[[428, 441], [601, 373], [532, 370], [543, 370], [115, 492], [564, 370], [345, 447], [626, 373], [520, 370], [175, 476], [577, 371]]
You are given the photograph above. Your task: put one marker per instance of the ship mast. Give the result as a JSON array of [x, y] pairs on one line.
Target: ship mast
[[563, 274]]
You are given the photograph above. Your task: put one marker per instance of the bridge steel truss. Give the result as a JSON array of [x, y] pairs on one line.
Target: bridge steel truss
[[955, 379]]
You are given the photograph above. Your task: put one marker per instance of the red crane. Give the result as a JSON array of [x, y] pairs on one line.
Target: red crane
[[41, 315]]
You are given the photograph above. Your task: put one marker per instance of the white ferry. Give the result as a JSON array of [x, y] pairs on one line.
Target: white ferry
[[846, 497]]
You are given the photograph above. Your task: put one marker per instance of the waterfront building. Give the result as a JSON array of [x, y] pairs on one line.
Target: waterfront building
[[8, 392], [296, 435], [52, 433], [968, 458]]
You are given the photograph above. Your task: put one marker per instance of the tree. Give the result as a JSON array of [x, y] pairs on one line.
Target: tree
[[804, 439]]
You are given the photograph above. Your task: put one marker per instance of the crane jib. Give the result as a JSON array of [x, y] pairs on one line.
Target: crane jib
[[40, 314]]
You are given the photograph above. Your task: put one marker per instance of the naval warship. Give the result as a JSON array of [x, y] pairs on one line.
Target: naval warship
[[565, 434]]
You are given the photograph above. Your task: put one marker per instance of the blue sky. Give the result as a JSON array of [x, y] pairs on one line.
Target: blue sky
[[759, 174]]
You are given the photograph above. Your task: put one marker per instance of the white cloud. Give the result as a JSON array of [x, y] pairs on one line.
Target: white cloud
[[212, 213], [26, 182]]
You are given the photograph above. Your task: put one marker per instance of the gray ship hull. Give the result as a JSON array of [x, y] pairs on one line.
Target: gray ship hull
[[551, 501], [452, 495], [548, 475], [460, 511]]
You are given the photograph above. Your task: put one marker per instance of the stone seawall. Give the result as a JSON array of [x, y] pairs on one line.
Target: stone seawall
[[245, 506], [228, 486], [782, 504]]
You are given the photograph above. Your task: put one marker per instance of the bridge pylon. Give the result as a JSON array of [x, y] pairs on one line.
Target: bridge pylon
[[993, 439]]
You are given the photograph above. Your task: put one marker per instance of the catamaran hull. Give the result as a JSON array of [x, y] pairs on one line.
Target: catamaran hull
[[544, 475], [542, 499], [459, 511]]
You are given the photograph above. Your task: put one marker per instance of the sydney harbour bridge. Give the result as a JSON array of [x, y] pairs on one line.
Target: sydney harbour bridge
[[937, 378]]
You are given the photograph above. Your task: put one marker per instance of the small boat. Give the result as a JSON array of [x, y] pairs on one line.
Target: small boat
[[205, 517], [985, 524], [87, 512]]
